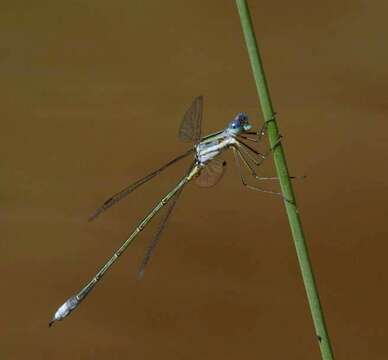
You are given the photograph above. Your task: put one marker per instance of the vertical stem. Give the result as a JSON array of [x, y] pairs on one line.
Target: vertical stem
[[285, 183]]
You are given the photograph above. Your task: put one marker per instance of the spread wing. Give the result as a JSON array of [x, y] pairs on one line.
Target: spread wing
[[211, 173], [190, 129]]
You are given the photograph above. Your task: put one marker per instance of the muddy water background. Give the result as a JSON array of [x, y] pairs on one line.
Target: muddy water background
[[91, 98]]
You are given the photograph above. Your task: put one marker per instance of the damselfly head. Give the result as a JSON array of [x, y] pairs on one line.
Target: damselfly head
[[239, 124]]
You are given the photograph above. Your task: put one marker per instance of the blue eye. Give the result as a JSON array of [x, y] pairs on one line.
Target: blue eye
[[243, 117]]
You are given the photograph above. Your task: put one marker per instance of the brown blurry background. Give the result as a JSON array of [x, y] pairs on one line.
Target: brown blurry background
[[92, 94]]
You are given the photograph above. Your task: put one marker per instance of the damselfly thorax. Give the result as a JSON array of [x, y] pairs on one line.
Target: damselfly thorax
[[210, 148]]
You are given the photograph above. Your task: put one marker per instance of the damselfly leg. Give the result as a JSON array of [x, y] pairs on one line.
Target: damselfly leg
[[243, 155], [251, 187], [260, 156]]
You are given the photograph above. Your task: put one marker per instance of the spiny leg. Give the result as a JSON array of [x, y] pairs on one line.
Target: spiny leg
[[243, 153], [250, 167], [247, 147], [250, 156], [248, 138], [235, 152], [256, 161]]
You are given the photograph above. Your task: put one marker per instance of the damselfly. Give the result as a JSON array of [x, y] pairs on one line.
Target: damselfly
[[207, 169]]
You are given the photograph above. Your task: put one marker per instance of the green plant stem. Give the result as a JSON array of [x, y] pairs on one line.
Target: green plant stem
[[285, 183]]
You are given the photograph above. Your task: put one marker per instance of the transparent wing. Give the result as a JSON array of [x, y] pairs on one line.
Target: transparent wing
[[155, 240], [126, 191], [211, 173], [190, 129]]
